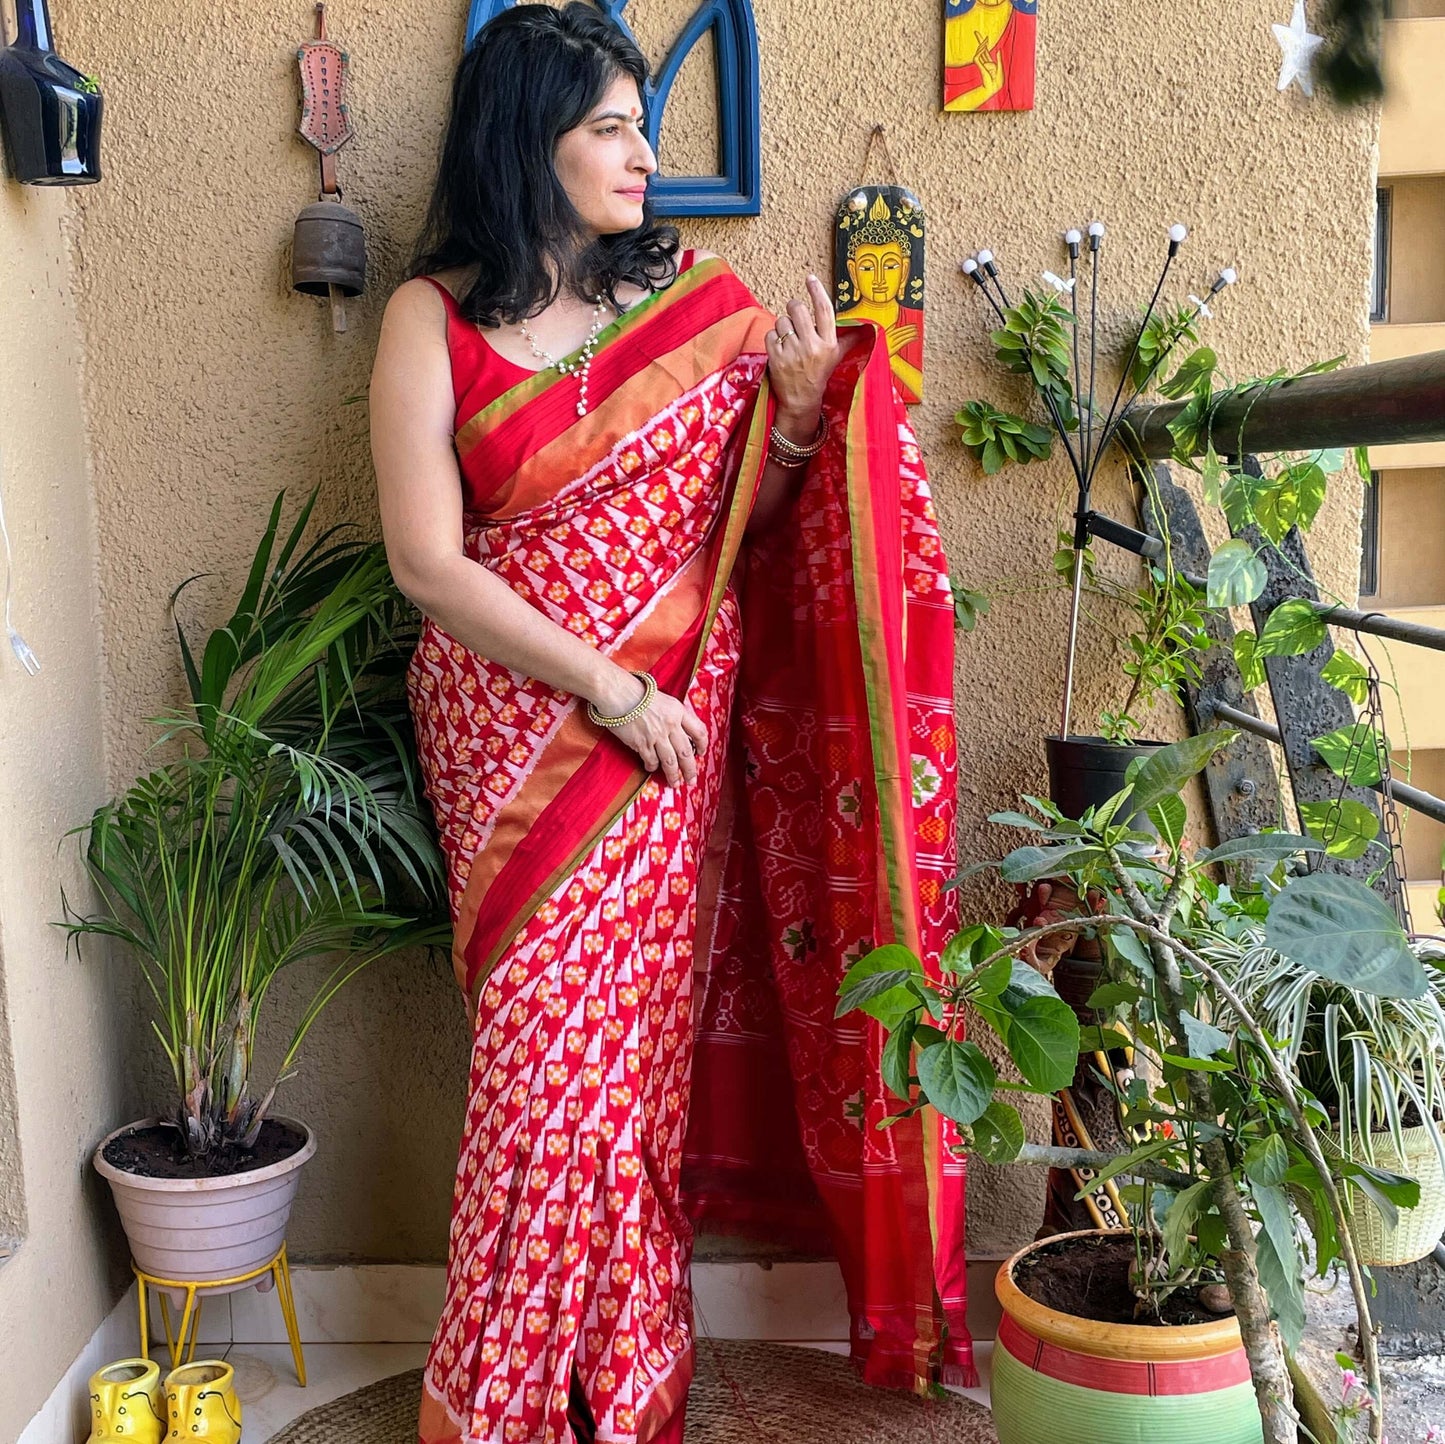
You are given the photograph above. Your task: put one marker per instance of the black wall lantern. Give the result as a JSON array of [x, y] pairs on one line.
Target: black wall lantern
[[49, 111]]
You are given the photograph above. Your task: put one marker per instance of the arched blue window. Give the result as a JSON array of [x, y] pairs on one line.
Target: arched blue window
[[738, 189]]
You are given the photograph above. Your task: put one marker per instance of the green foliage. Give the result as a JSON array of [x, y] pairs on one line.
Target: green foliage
[[1346, 827], [995, 437], [288, 825], [968, 607], [1165, 649], [1168, 327], [1035, 341], [1349, 675], [1216, 1111], [1236, 576], [1354, 753], [1344, 931], [1291, 629]]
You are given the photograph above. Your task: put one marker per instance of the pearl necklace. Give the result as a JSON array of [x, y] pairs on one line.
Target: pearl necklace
[[582, 367]]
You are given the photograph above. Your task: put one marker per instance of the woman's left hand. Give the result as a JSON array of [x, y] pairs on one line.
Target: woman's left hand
[[802, 352]]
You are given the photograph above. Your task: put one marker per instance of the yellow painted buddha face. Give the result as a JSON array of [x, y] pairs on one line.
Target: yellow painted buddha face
[[879, 272]]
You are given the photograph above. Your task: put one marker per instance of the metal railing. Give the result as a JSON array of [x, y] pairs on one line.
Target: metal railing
[[1390, 403]]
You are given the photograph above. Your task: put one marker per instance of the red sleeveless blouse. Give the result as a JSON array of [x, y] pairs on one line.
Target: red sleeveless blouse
[[480, 373]]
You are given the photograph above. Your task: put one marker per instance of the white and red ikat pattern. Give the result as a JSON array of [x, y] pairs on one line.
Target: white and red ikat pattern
[[592, 559], [568, 1241]]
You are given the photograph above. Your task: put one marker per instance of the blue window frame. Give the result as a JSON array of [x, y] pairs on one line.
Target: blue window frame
[[738, 188]]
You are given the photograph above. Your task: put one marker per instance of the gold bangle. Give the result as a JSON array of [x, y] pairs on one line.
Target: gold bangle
[[780, 445], [649, 691]]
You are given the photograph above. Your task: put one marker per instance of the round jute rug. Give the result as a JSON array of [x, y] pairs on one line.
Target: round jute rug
[[744, 1393]]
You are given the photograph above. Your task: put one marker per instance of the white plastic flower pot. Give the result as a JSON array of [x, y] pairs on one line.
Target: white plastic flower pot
[[204, 1229]]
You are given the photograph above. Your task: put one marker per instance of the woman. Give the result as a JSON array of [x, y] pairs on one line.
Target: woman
[[634, 506]]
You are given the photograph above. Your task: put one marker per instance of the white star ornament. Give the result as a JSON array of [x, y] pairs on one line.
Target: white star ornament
[[1299, 48]]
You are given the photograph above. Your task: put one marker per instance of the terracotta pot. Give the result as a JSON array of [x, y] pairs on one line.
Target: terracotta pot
[[1056, 1376], [198, 1229]]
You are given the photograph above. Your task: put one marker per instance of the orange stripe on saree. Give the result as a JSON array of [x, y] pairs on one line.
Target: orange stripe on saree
[[577, 882]]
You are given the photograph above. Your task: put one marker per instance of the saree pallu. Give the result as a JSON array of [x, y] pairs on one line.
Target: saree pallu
[[605, 922]]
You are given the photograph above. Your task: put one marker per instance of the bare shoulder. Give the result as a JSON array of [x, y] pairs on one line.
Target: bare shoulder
[[414, 302], [698, 255]]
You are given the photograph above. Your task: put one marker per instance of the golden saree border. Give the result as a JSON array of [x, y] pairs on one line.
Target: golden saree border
[[871, 450], [673, 614]]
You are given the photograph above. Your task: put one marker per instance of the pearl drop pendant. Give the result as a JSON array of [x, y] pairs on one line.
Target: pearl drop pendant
[[582, 368]]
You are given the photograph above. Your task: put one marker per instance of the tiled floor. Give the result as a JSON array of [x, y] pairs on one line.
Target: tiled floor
[[266, 1380]]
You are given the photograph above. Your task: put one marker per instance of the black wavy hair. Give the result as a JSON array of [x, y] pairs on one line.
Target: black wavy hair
[[497, 209]]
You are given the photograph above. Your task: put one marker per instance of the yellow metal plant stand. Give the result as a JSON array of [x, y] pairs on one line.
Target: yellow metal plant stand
[[183, 1340]]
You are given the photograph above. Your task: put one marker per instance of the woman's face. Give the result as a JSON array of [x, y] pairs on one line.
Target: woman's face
[[604, 163]]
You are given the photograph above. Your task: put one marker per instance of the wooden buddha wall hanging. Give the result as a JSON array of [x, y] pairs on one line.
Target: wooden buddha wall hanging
[[878, 271]]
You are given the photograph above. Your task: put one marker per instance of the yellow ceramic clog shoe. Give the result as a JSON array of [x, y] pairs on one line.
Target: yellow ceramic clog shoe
[[127, 1403], [201, 1403]]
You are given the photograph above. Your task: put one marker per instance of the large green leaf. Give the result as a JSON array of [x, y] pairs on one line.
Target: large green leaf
[[1349, 675], [1179, 1221], [1245, 647], [1029, 864], [1204, 1039], [1346, 827], [1266, 846], [1164, 773], [1352, 753], [1236, 576], [957, 1079], [878, 985], [1043, 1041], [896, 1063], [998, 1133], [1278, 1260], [1341, 929], [1292, 628], [1266, 1160]]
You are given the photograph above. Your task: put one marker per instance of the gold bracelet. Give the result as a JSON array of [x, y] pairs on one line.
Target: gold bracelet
[[780, 446], [649, 691]]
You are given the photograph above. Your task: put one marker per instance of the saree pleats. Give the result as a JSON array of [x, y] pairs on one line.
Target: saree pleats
[[609, 926]]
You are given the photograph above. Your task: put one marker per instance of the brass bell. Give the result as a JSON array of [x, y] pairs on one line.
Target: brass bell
[[329, 250]]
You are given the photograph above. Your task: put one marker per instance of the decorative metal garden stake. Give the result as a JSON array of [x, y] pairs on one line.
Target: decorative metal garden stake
[[50, 111], [1084, 434], [328, 255]]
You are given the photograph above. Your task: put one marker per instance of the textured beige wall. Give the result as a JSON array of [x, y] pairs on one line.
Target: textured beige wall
[[209, 386], [59, 1022]]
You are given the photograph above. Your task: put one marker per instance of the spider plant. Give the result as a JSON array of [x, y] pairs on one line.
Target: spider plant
[[1366, 1059], [284, 825]]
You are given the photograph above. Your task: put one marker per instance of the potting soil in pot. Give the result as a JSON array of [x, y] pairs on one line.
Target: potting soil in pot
[[155, 1152], [1088, 1278]]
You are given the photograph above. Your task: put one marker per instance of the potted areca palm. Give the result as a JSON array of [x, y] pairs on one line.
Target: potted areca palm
[[283, 829]]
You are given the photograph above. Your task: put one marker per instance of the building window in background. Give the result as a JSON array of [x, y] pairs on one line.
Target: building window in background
[[1370, 539], [1380, 290]]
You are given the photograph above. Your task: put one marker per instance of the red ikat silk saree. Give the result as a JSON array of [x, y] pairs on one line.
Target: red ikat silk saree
[[653, 971]]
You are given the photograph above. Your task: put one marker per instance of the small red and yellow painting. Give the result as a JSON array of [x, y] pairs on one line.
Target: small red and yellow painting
[[878, 274], [988, 54]]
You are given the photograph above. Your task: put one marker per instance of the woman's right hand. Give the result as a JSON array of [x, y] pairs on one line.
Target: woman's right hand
[[669, 735]]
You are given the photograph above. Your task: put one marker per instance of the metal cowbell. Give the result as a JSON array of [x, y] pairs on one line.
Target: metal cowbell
[[329, 250]]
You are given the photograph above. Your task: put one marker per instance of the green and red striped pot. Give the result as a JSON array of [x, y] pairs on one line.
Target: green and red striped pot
[[1057, 1377]]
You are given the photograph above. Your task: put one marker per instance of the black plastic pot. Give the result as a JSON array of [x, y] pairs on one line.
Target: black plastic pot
[[49, 112], [1085, 771]]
